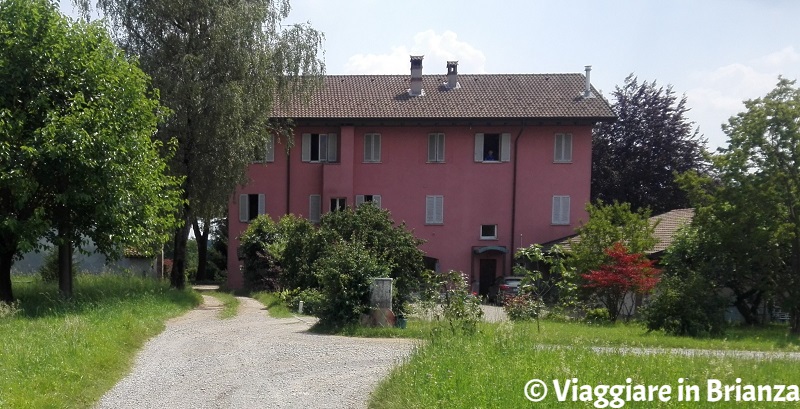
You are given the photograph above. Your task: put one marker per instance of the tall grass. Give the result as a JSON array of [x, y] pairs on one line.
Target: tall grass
[[491, 368], [66, 353], [230, 304], [277, 308]]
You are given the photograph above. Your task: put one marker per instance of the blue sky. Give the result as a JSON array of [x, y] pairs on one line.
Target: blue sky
[[716, 52]]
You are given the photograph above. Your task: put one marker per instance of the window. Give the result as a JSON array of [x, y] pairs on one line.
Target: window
[[434, 209], [250, 206], [488, 232], [314, 208], [319, 147], [268, 153], [563, 148], [492, 147], [436, 147], [374, 199], [372, 147], [560, 210], [338, 203]]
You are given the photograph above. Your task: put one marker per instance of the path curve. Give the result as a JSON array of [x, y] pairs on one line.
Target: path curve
[[253, 361]]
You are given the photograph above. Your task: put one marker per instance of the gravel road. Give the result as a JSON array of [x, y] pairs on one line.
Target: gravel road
[[253, 361]]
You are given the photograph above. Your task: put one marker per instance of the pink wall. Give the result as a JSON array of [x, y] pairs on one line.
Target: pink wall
[[474, 193]]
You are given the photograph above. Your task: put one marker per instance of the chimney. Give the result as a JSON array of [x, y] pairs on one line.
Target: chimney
[[452, 74], [416, 76], [587, 93]]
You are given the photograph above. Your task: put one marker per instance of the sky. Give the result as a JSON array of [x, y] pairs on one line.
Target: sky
[[718, 53]]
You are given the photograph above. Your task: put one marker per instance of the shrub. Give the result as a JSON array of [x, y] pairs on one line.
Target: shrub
[[686, 305], [49, 269], [312, 299], [261, 250], [523, 307], [459, 308], [345, 273], [598, 316]]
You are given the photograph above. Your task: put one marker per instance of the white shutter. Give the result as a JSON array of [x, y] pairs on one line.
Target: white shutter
[[306, 148], [314, 208], [505, 147], [376, 200], [568, 147], [243, 209], [323, 148], [432, 157], [359, 200], [262, 204], [270, 156], [478, 147], [376, 147], [558, 147], [560, 210], [331, 148], [439, 209], [440, 148], [430, 208]]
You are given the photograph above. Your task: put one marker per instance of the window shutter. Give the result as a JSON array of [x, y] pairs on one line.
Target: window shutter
[[440, 148], [505, 147], [560, 210], [439, 215], [331, 148], [568, 147], [478, 147], [306, 154], [323, 148], [359, 200], [376, 200], [432, 157], [243, 209], [376, 147], [430, 208], [314, 208], [262, 204], [270, 156]]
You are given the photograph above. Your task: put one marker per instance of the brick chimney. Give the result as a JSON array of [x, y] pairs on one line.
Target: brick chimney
[[416, 76], [452, 74]]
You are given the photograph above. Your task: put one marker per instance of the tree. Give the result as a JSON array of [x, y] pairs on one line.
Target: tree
[[626, 273], [753, 210], [635, 158], [77, 160], [221, 66], [609, 224]]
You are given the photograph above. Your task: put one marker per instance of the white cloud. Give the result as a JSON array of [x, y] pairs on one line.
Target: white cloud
[[437, 49], [717, 95]]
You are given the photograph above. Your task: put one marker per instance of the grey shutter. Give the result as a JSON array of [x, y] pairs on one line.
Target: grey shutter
[[568, 147], [440, 148], [331, 148], [368, 147], [432, 157], [270, 155], [359, 200], [560, 210], [376, 200], [376, 147], [314, 208], [262, 204], [323, 148], [478, 147], [505, 147], [243, 209], [306, 154], [430, 209], [439, 214]]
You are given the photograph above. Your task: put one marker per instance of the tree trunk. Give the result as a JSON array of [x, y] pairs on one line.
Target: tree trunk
[[6, 259], [202, 250], [178, 277], [794, 321], [65, 266]]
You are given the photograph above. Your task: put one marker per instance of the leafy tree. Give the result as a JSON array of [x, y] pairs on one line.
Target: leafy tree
[[218, 251], [609, 224], [221, 66], [635, 159], [76, 156], [626, 274], [548, 277], [752, 214]]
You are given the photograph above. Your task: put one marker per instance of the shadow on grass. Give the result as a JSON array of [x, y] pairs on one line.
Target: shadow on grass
[[38, 299]]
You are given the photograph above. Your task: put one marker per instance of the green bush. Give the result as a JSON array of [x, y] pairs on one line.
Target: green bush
[[345, 273], [599, 316], [49, 269], [459, 308], [261, 250], [312, 299], [686, 305], [523, 307]]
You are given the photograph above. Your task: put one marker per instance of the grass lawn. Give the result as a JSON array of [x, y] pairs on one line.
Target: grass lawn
[[491, 368], [230, 304], [276, 307], [66, 354]]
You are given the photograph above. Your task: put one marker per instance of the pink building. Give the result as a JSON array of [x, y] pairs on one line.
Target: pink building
[[476, 165]]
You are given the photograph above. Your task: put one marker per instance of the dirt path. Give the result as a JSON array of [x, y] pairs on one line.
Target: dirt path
[[253, 360]]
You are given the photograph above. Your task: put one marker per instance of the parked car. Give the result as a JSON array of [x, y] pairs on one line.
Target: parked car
[[504, 287]]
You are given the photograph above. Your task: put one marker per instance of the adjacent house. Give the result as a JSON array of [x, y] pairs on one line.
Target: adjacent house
[[476, 165]]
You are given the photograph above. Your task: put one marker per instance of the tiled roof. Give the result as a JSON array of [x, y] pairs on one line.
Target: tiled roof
[[539, 96], [668, 225]]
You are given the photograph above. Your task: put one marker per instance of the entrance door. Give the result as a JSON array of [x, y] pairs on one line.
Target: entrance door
[[488, 275]]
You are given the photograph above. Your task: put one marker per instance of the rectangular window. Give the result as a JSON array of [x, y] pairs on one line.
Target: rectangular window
[[488, 232], [563, 148], [492, 147], [338, 203], [372, 147], [251, 206], [319, 147], [434, 209], [266, 154], [314, 208], [374, 199], [560, 210], [436, 148]]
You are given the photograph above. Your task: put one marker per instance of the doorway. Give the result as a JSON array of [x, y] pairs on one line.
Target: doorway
[[488, 275]]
